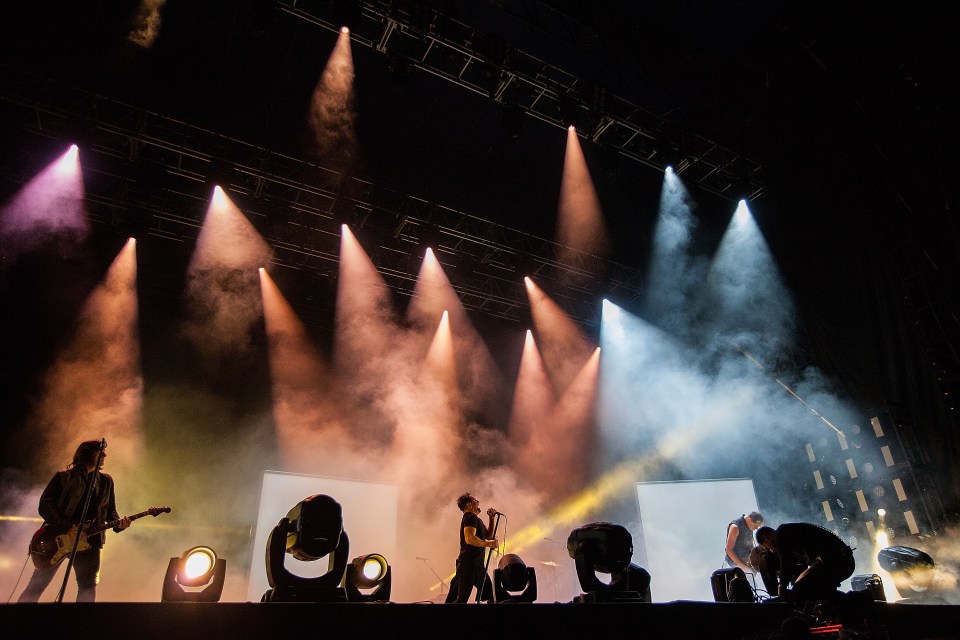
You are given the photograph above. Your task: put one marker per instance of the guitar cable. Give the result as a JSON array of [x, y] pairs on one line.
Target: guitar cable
[[19, 577]]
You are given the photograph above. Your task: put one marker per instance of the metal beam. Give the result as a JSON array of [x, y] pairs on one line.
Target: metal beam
[[154, 173], [460, 54]]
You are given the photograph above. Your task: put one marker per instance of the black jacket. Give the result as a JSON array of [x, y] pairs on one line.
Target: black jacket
[[62, 500]]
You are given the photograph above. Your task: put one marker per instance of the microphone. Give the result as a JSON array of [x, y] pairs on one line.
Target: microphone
[[103, 443], [500, 514]]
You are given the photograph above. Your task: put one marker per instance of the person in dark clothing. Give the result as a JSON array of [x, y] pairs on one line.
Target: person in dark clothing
[[815, 560], [473, 540], [766, 563], [740, 541], [61, 506]]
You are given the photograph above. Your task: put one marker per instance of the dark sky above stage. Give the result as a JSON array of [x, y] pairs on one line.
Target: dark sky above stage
[[851, 109]]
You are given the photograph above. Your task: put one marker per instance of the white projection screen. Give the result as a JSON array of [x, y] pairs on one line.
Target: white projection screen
[[683, 532], [369, 518]]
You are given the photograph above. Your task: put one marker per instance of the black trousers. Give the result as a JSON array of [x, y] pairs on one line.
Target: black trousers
[[469, 575], [821, 580], [86, 567]]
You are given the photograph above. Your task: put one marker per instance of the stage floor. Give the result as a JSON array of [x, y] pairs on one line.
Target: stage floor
[[674, 620]]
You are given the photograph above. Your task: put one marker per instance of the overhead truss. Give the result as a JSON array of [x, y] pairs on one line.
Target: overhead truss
[[152, 174], [414, 34]]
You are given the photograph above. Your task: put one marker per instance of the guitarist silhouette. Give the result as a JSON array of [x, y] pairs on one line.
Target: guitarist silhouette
[[62, 506]]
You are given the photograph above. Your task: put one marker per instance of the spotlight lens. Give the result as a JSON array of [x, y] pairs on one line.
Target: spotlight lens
[[881, 512], [372, 568], [198, 562]]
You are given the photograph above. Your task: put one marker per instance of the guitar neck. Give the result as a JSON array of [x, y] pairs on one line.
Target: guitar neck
[[114, 523]]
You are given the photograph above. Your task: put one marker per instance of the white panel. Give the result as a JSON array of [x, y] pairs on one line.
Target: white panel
[[818, 478], [877, 427], [862, 500], [827, 511], [369, 519], [810, 456], [887, 456], [685, 544], [843, 441], [898, 487], [911, 522], [851, 468]]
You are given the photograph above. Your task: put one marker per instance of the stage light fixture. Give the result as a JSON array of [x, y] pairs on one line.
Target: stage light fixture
[[912, 571], [731, 585], [871, 583], [514, 581], [370, 571], [607, 548], [196, 567], [311, 530]]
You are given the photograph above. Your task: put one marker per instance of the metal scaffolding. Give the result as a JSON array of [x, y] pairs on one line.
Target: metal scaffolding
[[148, 173], [483, 64]]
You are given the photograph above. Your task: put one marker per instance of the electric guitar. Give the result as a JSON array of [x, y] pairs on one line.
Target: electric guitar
[[48, 550]]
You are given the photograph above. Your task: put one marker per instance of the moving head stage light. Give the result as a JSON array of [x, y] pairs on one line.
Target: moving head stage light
[[370, 571], [913, 573], [312, 529], [514, 581], [871, 583], [731, 585], [200, 571], [607, 548]]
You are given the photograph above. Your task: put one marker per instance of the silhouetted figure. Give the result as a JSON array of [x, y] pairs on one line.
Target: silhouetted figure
[[815, 560], [473, 540], [61, 506]]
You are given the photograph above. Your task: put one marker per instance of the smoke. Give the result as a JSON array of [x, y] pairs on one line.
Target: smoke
[[533, 396], [146, 23], [48, 210], [205, 462], [564, 440], [223, 289], [407, 400], [745, 298], [331, 117], [580, 225], [95, 387], [16, 497], [562, 343], [310, 432], [698, 379], [477, 375], [673, 273], [389, 406]]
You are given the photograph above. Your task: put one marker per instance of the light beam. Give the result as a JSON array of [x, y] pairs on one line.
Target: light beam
[[580, 225]]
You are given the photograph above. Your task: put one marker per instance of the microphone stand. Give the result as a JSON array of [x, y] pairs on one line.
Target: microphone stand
[[83, 516], [429, 566], [486, 565]]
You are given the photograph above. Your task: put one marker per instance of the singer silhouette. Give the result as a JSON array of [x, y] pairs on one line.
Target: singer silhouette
[[473, 540]]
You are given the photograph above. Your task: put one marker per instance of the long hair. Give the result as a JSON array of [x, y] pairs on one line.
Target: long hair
[[86, 454]]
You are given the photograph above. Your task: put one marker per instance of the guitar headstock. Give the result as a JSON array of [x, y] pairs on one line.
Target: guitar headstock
[[155, 511]]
